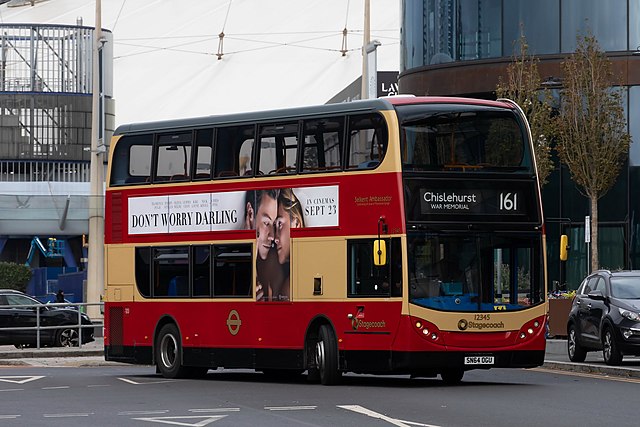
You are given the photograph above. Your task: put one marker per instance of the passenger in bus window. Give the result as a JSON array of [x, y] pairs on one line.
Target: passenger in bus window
[[290, 215], [268, 273]]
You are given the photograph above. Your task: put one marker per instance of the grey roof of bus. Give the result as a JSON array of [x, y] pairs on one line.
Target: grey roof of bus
[[379, 104], [346, 107]]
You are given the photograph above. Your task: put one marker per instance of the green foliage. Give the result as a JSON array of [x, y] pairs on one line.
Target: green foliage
[[591, 128], [14, 276], [523, 86]]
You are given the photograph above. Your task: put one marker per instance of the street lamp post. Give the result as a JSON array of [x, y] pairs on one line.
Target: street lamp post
[[95, 269]]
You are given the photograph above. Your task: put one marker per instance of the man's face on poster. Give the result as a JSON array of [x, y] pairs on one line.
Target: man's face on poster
[[265, 217]]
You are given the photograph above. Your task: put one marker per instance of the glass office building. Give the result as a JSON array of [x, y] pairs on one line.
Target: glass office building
[[461, 47]]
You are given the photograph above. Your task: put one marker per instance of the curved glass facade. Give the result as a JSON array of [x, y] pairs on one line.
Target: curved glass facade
[[438, 31]]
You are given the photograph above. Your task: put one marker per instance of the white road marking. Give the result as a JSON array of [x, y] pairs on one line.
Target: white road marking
[[173, 420], [55, 388], [99, 385], [127, 380], [197, 411], [13, 389], [9, 417], [400, 423], [289, 408], [162, 411], [21, 379], [70, 415]]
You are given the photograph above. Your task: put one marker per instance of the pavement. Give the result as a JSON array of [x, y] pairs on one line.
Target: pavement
[[92, 354]]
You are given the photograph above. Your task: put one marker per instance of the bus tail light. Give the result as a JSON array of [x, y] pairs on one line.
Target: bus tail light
[[531, 329], [428, 330]]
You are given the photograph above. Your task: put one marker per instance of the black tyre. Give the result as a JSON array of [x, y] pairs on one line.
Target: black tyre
[[452, 376], [610, 351], [168, 353], [67, 337], [574, 349], [326, 355]]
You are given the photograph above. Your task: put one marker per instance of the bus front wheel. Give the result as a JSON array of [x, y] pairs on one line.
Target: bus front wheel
[[168, 352], [326, 354]]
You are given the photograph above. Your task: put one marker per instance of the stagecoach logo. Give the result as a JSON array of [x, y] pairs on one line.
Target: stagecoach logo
[[463, 325], [357, 323], [234, 322]]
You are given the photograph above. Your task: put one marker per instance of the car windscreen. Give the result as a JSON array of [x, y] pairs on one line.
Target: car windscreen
[[625, 287]]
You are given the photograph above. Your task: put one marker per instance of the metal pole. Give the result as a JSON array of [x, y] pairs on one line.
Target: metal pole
[[364, 89], [95, 270]]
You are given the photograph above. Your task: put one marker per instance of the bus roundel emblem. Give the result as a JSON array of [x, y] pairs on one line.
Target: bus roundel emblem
[[462, 324], [234, 322]]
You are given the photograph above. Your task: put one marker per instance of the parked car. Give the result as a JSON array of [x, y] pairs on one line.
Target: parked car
[[20, 310], [605, 315]]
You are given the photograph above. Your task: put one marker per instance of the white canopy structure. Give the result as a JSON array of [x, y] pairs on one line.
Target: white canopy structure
[[171, 61]]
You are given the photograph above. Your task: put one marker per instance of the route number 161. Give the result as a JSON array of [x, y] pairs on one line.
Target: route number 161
[[508, 201]]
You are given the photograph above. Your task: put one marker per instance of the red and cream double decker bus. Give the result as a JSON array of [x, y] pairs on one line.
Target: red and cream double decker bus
[[401, 235]]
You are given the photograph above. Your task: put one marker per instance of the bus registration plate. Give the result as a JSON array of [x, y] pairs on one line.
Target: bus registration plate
[[478, 360]]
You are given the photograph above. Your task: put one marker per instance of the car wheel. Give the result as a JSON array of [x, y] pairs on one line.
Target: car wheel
[[610, 351], [452, 376], [67, 337], [168, 353], [327, 356], [575, 350]]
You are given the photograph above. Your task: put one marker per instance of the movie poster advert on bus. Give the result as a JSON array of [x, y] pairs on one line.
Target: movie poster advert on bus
[[234, 210]]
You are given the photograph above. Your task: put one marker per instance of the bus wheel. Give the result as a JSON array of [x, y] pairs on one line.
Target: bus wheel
[[327, 356], [168, 352], [452, 376]]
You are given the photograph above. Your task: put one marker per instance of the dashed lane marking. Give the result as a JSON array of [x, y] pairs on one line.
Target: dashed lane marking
[[289, 408], [176, 420], [69, 415]]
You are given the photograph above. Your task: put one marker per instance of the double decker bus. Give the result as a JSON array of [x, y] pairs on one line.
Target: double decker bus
[[401, 235]]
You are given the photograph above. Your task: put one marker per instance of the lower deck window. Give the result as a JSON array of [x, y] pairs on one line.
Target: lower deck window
[[202, 271]]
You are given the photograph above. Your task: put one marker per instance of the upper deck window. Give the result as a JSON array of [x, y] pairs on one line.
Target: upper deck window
[[322, 139], [278, 148], [132, 160], [462, 138], [368, 140], [174, 157], [234, 151]]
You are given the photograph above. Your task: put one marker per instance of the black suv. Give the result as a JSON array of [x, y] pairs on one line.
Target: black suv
[[605, 315], [18, 310]]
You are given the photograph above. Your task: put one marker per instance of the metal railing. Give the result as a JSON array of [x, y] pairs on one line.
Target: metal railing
[[38, 327]]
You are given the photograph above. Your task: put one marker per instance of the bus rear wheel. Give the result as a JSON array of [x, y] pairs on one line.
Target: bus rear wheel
[[168, 352], [326, 354], [452, 376]]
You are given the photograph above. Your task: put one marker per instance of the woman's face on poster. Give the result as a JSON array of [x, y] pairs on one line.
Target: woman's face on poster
[[265, 218]]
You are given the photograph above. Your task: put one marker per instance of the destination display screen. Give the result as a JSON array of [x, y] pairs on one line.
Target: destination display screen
[[473, 200]]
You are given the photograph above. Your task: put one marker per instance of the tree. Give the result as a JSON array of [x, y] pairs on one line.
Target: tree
[[523, 86], [14, 276], [591, 128]]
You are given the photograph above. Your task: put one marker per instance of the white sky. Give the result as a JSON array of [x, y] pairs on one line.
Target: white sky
[[277, 53]]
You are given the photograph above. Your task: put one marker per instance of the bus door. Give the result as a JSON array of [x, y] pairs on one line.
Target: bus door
[[374, 293]]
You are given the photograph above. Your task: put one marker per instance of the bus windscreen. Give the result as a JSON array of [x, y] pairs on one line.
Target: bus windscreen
[[478, 272], [462, 138]]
